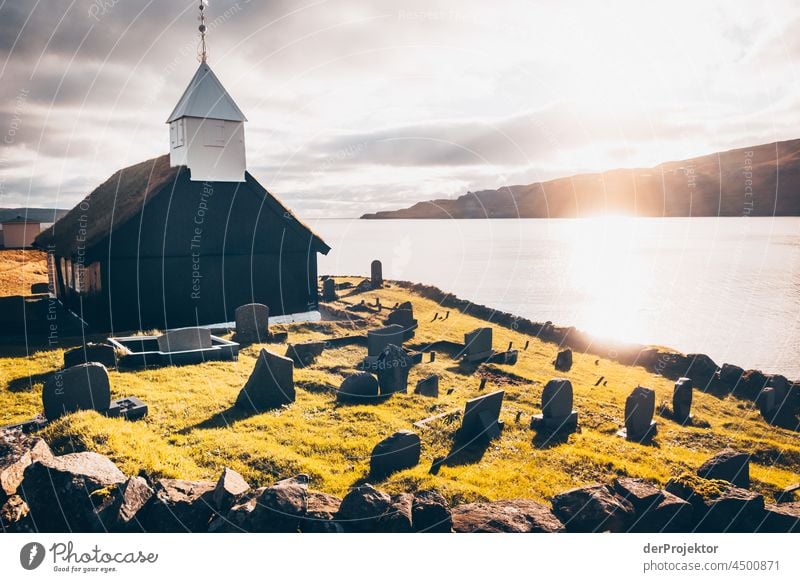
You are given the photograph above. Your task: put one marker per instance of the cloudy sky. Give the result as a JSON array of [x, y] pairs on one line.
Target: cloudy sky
[[356, 106]]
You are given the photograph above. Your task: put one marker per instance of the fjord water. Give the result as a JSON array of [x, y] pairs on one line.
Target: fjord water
[[726, 287]]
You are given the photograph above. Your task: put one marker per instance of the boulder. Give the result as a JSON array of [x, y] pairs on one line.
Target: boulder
[[230, 486], [121, 511], [428, 386], [252, 323], [91, 352], [362, 508], [17, 451], [511, 516], [359, 387], [305, 354], [751, 384], [728, 465], [642, 494], [730, 375], [15, 516], [736, 510], [781, 518], [393, 366], [395, 453], [595, 508], [564, 360], [670, 514], [62, 492], [271, 384], [397, 518], [701, 368], [696, 490], [81, 387], [238, 517], [322, 509], [281, 507], [179, 506], [431, 513]]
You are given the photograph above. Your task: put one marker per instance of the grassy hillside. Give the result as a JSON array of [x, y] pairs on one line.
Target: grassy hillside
[[19, 269], [193, 431]]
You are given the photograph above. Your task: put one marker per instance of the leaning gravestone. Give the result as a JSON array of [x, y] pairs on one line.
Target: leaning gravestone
[[557, 414], [378, 339], [184, 339], [564, 360], [395, 453], [271, 384], [478, 344], [329, 290], [376, 274], [393, 365], [101, 353], [359, 387], [405, 319], [682, 400], [482, 417], [640, 406], [428, 386], [81, 387], [252, 322]]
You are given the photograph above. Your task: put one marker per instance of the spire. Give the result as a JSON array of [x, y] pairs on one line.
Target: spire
[[202, 52]]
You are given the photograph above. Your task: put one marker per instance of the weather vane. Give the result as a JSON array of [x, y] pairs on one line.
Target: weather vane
[[202, 53]]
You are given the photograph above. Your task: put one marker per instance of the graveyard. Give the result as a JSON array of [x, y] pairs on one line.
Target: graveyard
[[196, 424]]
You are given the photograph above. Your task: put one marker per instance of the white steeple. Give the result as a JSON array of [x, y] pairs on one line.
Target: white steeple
[[206, 128]]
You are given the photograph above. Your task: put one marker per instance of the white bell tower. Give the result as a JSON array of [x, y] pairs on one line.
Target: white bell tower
[[206, 128]]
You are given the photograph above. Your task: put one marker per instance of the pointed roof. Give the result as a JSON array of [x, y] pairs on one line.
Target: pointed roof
[[205, 97]]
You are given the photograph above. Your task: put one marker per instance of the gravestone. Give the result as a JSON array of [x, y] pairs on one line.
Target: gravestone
[[271, 384], [81, 387], [305, 354], [184, 339], [428, 386], [482, 417], [395, 453], [405, 319], [252, 322], [378, 339], [376, 274], [640, 406], [392, 366], [359, 387], [557, 413], [329, 290], [768, 403], [130, 408], [682, 400], [101, 353], [564, 360], [478, 344]]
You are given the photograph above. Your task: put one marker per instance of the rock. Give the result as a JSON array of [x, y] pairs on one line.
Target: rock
[[359, 387], [511, 516], [736, 510], [91, 352], [238, 517], [478, 344], [252, 323], [430, 513], [564, 360], [781, 518], [594, 508], [728, 465], [376, 274], [17, 451], [81, 387], [696, 490], [393, 366], [730, 375], [397, 518], [305, 354], [751, 384], [271, 384], [179, 506], [428, 386], [184, 339], [670, 514], [62, 492], [14, 516], [362, 508], [682, 400], [230, 486], [322, 509], [788, 493], [701, 368], [281, 507], [329, 290], [642, 494], [395, 453], [121, 512]]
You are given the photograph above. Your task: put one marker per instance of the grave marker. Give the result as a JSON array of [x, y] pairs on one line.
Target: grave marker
[[482, 417]]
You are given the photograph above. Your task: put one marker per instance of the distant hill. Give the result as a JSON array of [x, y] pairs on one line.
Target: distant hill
[[762, 180], [40, 214]]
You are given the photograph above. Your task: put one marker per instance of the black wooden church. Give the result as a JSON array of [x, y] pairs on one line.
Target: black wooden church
[[186, 238]]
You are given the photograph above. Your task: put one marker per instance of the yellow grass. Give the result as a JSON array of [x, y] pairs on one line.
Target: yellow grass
[[19, 269], [193, 431]]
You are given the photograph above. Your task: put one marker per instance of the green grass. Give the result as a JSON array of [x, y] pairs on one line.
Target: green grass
[[193, 431]]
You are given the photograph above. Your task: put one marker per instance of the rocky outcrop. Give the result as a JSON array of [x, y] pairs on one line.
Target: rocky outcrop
[[120, 512], [179, 506], [595, 508]]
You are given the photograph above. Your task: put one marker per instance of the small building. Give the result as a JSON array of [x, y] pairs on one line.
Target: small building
[[186, 238], [19, 232]]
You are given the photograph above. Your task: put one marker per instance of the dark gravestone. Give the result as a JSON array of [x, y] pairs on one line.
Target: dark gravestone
[[360, 387], [639, 409], [252, 323], [184, 339], [478, 344], [376, 274], [38, 288], [305, 354], [405, 319], [682, 400], [81, 387], [395, 453], [557, 413], [378, 339], [564, 360], [271, 384], [482, 417], [393, 366], [329, 290], [428, 386], [101, 353]]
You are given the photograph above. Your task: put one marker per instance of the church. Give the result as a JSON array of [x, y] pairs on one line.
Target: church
[[185, 238]]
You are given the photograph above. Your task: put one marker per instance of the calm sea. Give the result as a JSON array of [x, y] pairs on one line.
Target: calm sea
[[727, 287]]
